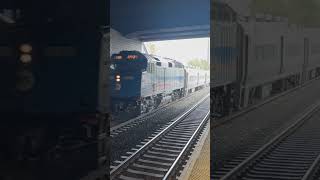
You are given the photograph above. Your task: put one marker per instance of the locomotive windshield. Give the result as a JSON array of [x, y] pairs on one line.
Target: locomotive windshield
[[126, 66], [128, 63]]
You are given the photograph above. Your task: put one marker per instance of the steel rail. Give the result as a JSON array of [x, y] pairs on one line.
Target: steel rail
[[312, 170], [173, 167], [285, 133], [115, 171]]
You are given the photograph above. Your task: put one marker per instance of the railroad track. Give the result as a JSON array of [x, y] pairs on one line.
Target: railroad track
[[291, 155], [162, 156], [123, 127], [141, 136]]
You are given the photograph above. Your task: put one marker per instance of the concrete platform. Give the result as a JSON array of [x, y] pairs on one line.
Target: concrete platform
[[198, 166]]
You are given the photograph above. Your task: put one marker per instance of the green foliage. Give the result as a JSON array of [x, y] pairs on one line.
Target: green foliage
[[303, 12], [153, 49], [199, 63]]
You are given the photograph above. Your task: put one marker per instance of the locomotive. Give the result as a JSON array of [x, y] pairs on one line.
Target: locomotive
[[255, 57], [226, 60], [142, 82], [51, 58]]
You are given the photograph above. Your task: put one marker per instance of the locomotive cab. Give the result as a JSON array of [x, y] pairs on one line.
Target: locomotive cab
[[125, 76], [142, 82]]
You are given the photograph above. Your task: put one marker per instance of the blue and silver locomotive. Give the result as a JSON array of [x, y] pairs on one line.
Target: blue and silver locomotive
[[141, 82]]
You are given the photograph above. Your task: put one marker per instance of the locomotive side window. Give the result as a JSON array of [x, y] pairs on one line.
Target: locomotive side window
[[170, 64]]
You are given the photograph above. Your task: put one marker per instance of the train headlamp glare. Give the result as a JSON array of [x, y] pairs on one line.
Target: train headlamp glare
[[26, 48], [118, 78], [25, 58]]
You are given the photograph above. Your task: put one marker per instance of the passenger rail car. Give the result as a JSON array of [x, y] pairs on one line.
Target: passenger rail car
[[142, 82], [51, 54], [196, 79], [254, 59]]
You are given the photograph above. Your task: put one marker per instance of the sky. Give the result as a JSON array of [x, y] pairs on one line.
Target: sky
[[182, 50]]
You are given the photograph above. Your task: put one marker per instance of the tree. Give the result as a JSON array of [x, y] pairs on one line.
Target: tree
[[153, 49], [199, 63]]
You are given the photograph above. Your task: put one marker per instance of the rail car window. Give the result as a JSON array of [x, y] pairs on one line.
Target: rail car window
[[158, 63], [170, 64]]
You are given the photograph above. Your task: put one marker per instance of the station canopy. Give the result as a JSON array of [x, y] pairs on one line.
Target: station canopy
[[151, 20]]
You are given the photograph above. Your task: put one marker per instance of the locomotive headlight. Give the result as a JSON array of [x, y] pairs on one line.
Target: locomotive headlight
[[118, 77], [26, 48], [25, 58]]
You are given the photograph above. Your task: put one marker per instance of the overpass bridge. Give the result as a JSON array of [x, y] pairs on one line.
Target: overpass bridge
[[146, 20]]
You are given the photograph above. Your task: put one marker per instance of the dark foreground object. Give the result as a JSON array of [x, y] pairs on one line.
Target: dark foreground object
[[51, 146]]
